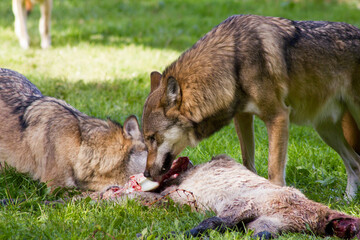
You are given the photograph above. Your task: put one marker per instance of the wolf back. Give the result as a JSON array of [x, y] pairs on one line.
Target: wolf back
[[57, 144]]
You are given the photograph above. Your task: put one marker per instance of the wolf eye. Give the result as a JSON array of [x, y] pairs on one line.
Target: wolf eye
[[131, 152], [151, 139]]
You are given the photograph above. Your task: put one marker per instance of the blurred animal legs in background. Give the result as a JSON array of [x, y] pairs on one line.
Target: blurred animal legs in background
[[21, 8]]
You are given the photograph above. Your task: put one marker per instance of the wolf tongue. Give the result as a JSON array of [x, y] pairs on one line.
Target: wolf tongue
[[179, 165]]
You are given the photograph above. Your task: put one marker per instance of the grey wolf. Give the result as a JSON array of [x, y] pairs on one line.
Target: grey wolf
[[282, 71], [21, 9], [240, 198], [57, 144]]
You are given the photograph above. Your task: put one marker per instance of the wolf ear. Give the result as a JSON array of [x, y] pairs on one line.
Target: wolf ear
[[172, 91], [131, 128], [155, 78]]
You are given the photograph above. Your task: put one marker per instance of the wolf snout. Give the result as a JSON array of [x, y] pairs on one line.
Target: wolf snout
[[153, 175], [147, 174]]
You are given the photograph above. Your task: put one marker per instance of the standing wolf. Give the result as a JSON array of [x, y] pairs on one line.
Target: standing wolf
[[280, 70], [57, 144]]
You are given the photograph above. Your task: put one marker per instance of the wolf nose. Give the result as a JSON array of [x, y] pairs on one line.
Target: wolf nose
[[147, 174]]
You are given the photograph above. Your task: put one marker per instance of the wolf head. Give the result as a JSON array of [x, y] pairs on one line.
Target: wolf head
[[109, 153], [166, 130]]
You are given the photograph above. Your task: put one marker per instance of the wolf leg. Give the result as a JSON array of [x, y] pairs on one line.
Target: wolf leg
[[44, 24], [278, 131], [351, 131], [354, 109], [20, 23], [245, 130], [332, 134]]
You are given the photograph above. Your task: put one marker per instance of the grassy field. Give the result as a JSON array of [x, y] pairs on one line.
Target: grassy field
[[100, 61]]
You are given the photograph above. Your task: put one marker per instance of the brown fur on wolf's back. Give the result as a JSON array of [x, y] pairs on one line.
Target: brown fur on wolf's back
[[283, 71], [304, 40], [56, 143]]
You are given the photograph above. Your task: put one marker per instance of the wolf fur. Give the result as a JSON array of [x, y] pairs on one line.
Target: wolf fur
[[305, 72], [240, 198], [57, 144], [21, 8]]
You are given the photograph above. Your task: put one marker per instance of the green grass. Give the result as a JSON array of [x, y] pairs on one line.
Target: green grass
[[100, 61]]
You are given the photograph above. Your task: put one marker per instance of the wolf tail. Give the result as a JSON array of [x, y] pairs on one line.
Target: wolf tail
[[28, 6], [351, 131]]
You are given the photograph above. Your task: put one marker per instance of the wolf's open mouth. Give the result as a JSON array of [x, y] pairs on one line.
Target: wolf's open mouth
[[168, 159], [139, 182], [178, 166]]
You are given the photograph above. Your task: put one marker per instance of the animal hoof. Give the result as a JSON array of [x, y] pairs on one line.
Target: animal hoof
[[263, 235], [192, 233], [46, 43], [25, 44]]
